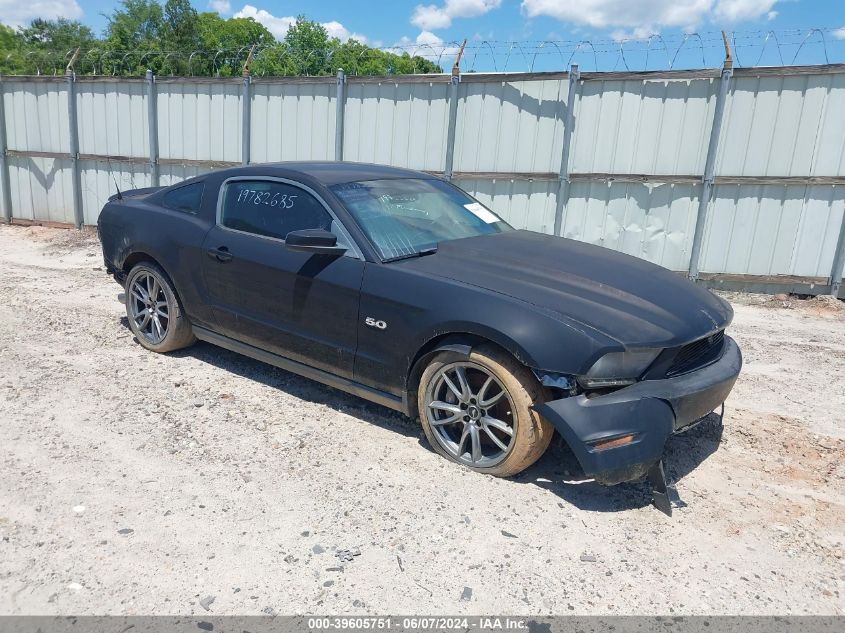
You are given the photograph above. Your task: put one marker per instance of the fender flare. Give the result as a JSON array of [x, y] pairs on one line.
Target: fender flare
[[458, 343], [461, 343]]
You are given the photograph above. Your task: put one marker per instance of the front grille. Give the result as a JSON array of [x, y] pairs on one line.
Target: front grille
[[697, 354]]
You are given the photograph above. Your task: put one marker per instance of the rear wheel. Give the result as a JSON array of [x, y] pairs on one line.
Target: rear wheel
[[153, 310], [477, 412]]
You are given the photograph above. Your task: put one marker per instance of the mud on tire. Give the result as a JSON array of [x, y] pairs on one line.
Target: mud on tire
[[450, 405]]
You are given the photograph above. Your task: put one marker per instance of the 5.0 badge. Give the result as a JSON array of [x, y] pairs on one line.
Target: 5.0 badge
[[371, 322]]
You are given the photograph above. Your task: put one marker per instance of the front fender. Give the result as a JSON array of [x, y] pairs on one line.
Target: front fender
[[419, 308], [462, 336]]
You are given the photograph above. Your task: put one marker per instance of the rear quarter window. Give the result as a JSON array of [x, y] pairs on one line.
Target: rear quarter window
[[186, 199]]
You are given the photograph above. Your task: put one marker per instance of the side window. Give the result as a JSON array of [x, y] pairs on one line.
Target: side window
[[187, 198], [271, 208]]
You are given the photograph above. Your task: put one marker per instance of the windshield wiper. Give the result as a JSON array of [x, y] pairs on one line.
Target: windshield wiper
[[421, 253]]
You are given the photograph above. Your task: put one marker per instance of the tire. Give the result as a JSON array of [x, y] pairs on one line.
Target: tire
[[447, 424], [167, 328]]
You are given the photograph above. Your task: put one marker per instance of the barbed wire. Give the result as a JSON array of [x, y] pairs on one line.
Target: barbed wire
[[656, 52]]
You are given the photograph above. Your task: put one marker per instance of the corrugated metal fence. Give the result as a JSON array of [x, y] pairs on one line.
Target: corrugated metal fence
[[736, 177]]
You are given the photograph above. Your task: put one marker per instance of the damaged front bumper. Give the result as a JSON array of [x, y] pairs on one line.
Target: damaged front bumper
[[618, 436]]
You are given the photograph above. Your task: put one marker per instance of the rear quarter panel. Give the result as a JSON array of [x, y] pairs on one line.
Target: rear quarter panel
[[132, 227]]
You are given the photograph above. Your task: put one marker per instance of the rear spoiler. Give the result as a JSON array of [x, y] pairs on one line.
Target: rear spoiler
[[133, 193]]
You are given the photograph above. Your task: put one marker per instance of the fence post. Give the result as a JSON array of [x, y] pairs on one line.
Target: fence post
[[709, 169], [246, 119], [451, 131], [152, 124], [73, 130], [710, 163], [340, 108], [4, 167], [568, 125], [838, 262], [448, 168]]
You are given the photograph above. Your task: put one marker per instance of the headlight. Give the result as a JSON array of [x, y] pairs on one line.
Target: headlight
[[619, 368]]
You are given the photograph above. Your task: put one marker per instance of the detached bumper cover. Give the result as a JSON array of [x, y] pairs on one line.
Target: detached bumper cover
[[650, 410]]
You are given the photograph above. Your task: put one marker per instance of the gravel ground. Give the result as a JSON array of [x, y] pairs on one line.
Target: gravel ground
[[204, 482]]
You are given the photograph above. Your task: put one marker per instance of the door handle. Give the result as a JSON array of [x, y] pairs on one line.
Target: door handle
[[221, 254]]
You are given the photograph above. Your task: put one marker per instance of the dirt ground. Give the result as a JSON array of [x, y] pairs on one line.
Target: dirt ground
[[204, 482]]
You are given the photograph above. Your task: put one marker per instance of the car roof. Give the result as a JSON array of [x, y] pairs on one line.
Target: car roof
[[327, 172]]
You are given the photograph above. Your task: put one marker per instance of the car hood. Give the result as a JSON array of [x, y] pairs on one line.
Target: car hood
[[626, 298]]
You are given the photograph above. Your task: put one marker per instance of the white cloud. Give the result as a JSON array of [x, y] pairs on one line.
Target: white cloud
[[644, 18], [221, 6], [641, 32], [839, 33], [336, 29], [427, 45], [772, 15], [740, 10], [15, 13], [279, 26], [431, 16]]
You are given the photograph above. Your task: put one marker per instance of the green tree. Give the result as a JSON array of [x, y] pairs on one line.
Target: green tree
[[309, 47], [11, 59], [49, 44], [58, 34], [174, 39], [358, 59], [181, 35], [225, 43], [133, 32], [308, 50]]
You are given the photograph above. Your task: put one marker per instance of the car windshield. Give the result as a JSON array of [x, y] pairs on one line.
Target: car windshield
[[407, 217]]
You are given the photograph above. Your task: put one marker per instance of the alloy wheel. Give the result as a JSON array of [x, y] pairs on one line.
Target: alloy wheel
[[470, 414], [148, 307]]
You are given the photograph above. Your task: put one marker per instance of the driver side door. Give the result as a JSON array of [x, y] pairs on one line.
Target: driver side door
[[301, 306]]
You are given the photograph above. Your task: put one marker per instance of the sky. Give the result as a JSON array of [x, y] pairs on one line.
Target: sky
[[552, 33]]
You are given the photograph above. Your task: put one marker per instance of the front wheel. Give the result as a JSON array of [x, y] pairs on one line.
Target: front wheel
[[153, 310], [476, 411]]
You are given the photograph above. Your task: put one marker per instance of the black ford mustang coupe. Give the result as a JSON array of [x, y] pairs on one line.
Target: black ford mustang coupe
[[398, 287]]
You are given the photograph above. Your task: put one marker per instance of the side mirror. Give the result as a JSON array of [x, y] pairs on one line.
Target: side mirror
[[314, 241]]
